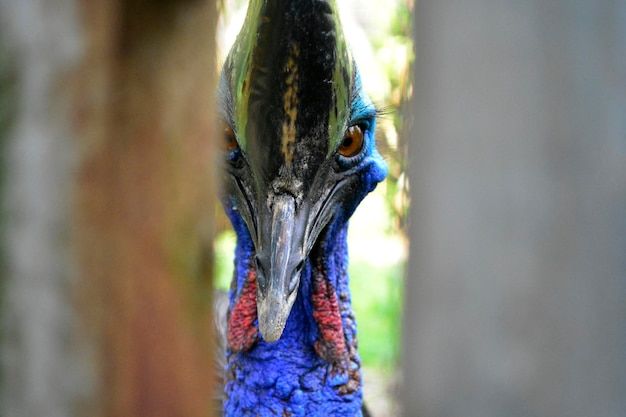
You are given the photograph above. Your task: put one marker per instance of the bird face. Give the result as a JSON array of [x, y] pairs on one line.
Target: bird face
[[298, 142]]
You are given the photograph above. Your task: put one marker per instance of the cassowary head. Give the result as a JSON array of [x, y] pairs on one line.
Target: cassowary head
[[298, 141]]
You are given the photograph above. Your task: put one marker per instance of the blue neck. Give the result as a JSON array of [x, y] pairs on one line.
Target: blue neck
[[301, 374]]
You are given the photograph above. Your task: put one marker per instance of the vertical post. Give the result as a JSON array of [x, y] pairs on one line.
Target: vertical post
[[109, 201], [517, 277]]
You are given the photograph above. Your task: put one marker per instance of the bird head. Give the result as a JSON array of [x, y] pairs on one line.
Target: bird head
[[298, 141]]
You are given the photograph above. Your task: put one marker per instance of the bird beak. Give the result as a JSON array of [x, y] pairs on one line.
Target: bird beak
[[279, 276]]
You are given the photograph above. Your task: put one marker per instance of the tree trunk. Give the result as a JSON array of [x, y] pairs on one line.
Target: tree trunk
[[517, 279], [108, 204]]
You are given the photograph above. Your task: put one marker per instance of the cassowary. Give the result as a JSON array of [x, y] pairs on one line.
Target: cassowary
[[298, 157]]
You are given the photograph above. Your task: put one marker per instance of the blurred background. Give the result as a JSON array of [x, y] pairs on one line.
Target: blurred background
[[504, 128]]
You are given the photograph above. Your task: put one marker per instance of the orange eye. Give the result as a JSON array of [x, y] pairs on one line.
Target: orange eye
[[352, 142], [229, 142]]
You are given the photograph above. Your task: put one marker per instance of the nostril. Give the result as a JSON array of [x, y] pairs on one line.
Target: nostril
[[294, 282], [260, 272], [295, 278]]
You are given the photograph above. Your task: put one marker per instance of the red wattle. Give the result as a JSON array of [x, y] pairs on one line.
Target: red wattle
[[242, 332], [330, 344]]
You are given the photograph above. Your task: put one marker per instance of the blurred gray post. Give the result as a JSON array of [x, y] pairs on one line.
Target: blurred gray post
[[39, 343], [516, 288]]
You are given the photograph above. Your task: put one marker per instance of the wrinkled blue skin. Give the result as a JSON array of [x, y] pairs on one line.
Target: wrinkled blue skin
[[287, 377]]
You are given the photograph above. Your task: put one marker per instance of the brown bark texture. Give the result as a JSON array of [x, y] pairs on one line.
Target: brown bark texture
[[131, 107]]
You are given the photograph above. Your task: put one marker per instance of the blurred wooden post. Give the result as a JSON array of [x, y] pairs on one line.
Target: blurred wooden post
[[108, 196], [516, 291]]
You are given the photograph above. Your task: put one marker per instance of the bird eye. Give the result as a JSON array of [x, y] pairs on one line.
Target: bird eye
[[352, 142], [229, 142]]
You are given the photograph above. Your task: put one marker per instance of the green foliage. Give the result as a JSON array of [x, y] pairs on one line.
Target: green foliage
[[377, 302], [224, 259], [394, 52]]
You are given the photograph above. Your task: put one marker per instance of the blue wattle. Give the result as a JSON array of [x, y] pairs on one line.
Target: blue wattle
[[288, 375]]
